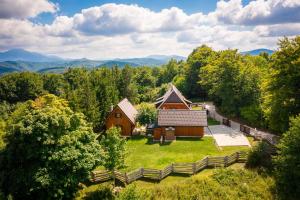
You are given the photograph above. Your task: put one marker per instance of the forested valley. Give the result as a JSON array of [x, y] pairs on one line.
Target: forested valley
[[262, 91]]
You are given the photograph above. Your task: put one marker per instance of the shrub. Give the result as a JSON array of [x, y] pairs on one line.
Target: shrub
[[130, 193], [103, 192], [260, 157]]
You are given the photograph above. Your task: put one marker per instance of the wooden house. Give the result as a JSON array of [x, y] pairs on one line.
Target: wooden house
[[179, 123], [172, 99], [123, 115]]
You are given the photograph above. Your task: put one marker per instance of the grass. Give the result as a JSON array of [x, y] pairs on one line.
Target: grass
[[211, 122], [143, 153]]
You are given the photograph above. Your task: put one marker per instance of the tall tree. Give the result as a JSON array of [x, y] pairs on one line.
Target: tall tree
[[199, 58], [114, 148], [287, 161], [49, 150], [16, 87], [282, 99]]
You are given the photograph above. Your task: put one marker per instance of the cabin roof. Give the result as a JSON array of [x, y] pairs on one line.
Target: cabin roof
[[182, 117], [173, 95], [128, 109]]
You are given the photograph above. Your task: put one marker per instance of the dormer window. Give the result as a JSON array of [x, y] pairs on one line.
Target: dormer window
[[118, 115]]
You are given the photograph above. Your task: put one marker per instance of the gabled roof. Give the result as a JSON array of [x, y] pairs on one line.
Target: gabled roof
[[182, 117], [128, 109], [173, 95]]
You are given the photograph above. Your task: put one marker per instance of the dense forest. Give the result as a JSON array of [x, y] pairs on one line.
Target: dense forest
[[263, 91]]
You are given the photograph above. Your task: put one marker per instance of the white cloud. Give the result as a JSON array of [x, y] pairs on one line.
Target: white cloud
[[118, 30], [278, 30], [21, 9], [258, 12]]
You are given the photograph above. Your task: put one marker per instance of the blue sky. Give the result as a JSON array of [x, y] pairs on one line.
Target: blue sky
[[100, 29]]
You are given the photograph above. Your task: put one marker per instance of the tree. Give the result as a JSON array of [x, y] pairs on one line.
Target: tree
[[199, 58], [282, 96], [49, 150], [114, 148], [126, 85], [16, 87], [146, 113], [287, 162]]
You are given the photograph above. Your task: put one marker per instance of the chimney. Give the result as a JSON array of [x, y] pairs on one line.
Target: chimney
[[111, 107]]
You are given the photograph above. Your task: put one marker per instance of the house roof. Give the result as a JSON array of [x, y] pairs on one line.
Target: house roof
[[173, 95], [128, 109], [182, 117]]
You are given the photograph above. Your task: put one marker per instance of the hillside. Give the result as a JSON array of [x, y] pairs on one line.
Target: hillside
[[22, 60]]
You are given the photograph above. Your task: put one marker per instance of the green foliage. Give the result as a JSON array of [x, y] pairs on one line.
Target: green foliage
[[146, 113], [282, 98], [224, 184], [131, 192], [199, 58], [260, 157], [49, 150], [102, 192], [287, 162], [16, 87], [114, 148]]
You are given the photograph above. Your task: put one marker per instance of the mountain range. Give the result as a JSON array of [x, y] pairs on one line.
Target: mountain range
[[22, 60]]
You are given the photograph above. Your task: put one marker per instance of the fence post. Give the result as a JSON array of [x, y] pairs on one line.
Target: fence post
[[172, 168], [160, 174], [225, 161], [93, 176], [237, 156], [142, 172], [194, 168], [126, 178]]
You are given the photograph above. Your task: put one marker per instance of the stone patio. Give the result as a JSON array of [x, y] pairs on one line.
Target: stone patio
[[226, 136]]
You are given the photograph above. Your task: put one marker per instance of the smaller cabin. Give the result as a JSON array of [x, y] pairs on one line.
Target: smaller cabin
[[123, 115], [172, 99], [179, 123]]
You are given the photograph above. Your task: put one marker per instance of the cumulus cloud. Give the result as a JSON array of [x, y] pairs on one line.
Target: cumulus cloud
[[119, 30], [278, 30], [21, 9], [258, 12]]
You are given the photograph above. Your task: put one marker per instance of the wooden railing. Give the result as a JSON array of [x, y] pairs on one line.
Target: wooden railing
[[177, 168]]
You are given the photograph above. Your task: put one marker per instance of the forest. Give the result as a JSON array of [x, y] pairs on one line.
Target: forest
[[262, 91]]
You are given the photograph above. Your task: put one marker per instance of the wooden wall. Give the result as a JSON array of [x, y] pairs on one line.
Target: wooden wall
[[181, 131], [123, 122], [174, 106], [189, 131]]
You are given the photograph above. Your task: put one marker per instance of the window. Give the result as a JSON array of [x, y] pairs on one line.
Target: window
[[118, 115]]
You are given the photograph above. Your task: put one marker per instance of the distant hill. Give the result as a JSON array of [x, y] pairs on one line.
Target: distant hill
[[22, 60], [23, 55], [256, 52]]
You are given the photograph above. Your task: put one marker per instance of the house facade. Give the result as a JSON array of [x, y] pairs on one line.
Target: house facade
[[172, 123], [176, 119], [172, 99], [123, 115]]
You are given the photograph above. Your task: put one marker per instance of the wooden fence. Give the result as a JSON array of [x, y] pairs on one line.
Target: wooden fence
[[177, 168]]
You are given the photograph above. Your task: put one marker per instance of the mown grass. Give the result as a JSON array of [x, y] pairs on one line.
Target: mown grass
[[211, 122], [142, 152]]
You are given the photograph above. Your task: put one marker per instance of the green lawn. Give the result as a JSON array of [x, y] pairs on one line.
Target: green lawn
[[143, 153], [211, 122]]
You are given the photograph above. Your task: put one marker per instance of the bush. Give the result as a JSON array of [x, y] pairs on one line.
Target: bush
[[146, 113], [287, 168], [260, 157], [130, 193], [103, 192]]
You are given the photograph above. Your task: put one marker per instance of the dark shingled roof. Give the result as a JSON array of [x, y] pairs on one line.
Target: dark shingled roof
[[173, 95], [181, 117], [128, 109]]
